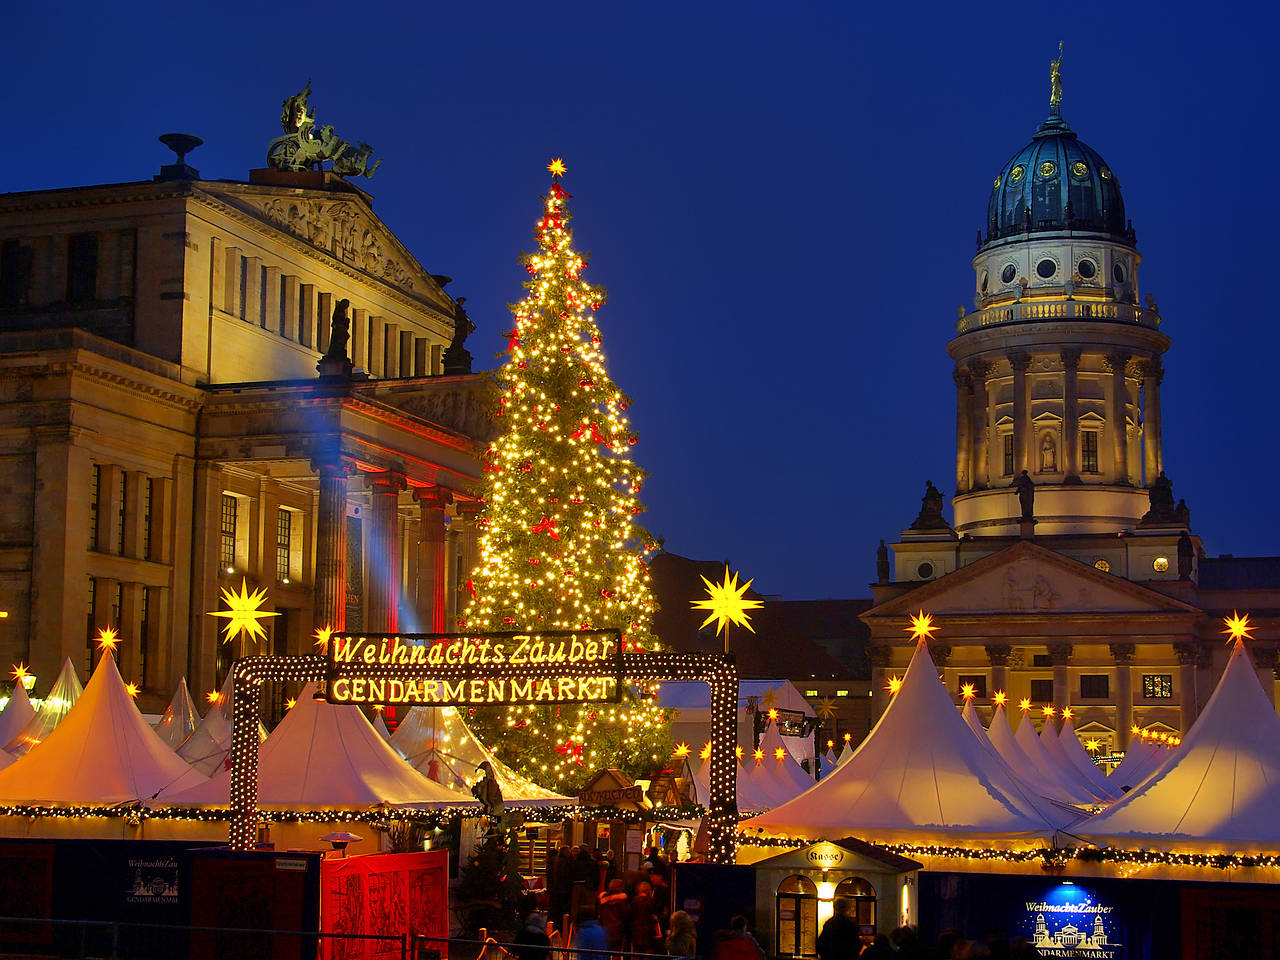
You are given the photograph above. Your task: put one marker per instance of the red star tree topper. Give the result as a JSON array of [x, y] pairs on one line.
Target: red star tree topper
[[560, 549]]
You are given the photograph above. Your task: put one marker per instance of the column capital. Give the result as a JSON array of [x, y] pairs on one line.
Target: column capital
[[1070, 358], [386, 482], [1265, 656], [963, 377], [980, 370], [1122, 653], [880, 655], [1187, 652], [1019, 360], [1115, 362], [998, 654], [328, 460], [1060, 654], [433, 497], [468, 508]]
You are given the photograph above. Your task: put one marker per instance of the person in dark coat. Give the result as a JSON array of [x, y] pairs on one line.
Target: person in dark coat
[[839, 939], [646, 934], [532, 943], [615, 915], [560, 885]]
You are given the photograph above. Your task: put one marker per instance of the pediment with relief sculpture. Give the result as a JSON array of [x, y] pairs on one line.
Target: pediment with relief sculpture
[[1025, 578]]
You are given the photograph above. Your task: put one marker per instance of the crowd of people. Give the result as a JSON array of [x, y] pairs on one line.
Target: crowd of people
[[842, 939]]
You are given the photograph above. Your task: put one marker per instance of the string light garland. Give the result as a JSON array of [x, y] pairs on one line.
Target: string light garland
[[559, 546]]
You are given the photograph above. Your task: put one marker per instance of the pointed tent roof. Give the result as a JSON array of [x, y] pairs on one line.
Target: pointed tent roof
[[1047, 768], [17, 713], [61, 698], [768, 789], [786, 770], [920, 774], [1221, 789], [1078, 757], [440, 736], [1066, 770], [327, 755], [1140, 761], [207, 747], [829, 761], [1001, 737], [845, 754], [180, 718], [380, 725], [102, 752]]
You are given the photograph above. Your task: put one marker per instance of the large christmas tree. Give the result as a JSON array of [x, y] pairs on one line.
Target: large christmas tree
[[559, 548]]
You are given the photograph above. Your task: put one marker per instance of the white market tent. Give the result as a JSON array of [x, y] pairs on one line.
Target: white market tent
[[692, 701], [380, 725], [1079, 760], [766, 787], [1221, 789], [59, 701], [1001, 737], [437, 742], [17, 713], [326, 755], [845, 754], [785, 770], [829, 761], [207, 747], [748, 797], [1049, 769], [921, 776], [102, 752], [180, 718], [1140, 761]]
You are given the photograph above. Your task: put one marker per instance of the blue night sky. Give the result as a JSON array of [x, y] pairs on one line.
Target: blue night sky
[[781, 200]]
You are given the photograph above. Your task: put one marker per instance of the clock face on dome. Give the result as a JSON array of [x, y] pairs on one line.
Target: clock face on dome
[[1016, 173]]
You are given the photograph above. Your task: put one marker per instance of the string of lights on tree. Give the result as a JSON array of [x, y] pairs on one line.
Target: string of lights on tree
[[559, 546]]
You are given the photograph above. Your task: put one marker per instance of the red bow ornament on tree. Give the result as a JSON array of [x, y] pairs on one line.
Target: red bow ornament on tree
[[548, 526]]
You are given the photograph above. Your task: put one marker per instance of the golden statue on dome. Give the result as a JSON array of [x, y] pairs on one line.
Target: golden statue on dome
[[1055, 80]]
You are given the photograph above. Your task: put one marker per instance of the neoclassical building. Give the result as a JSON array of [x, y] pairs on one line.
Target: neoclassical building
[[1068, 574], [167, 432]]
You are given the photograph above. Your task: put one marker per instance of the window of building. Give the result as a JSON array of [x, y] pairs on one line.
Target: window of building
[[811, 693], [82, 268], [1157, 686], [1103, 565], [863, 896], [797, 918], [1041, 660], [147, 493], [1042, 691], [842, 693], [89, 631], [1160, 564], [1008, 454], [144, 635], [227, 533], [121, 504], [15, 273], [979, 682], [95, 487], [1089, 451], [284, 543], [1095, 686]]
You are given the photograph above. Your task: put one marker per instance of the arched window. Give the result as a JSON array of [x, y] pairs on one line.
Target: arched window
[[863, 896], [797, 917]]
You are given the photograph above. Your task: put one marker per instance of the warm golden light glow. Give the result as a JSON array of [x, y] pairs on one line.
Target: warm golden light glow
[[705, 752], [682, 750], [1092, 746], [968, 691], [999, 698], [1238, 627], [757, 753], [1048, 710], [107, 640], [736, 750], [243, 612], [848, 737], [1067, 713], [726, 603], [290, 703], [922, 626], [322, 638], [772, 713], [20, 673], [557, 168], [779, 752], [132, 689], [1025, 704], [895, 684], [213, 696]]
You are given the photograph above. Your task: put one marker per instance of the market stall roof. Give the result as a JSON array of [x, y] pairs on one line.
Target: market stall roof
[[207, 747], [327, 755], [1049, 769], [380, 725], [920, 775], [1220, 791], [694, 695], [785, 769], [180, 718], [17, 714], [102, 752], [437, 742], [1140, 761], [57, 703], [1079, 759]]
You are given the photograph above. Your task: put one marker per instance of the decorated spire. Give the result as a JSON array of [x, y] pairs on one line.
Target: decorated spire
[[1055, 83]]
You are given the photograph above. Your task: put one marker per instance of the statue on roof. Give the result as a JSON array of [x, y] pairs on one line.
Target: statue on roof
[[1160, 497], [930, 517], [303, 147], [335, 361], [1026, 488], [1055, 80]]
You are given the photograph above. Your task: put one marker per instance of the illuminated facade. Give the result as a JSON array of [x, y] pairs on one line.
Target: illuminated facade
[[1096, 594], [167, 433]]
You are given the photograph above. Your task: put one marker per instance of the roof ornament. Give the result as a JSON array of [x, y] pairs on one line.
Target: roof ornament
[[305, 147], [1055, 83]]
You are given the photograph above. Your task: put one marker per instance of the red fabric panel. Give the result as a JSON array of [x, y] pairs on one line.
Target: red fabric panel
[[384, 893]]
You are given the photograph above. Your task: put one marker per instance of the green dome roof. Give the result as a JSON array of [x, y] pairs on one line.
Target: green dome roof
[[1056, 182]]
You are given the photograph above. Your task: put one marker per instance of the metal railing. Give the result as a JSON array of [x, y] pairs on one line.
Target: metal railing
[[1023, 310]]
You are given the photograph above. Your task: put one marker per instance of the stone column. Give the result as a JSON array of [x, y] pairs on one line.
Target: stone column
[[1071, 415], [383, 552], [881, 656], [1060, 657], [981, 426], [1188, 653], [1153, 459], [964, 428], [289, 308], [1021, 411], [998, 657], [330, 594], [433, 559], [466, 554], [251, 309], [1122, 653], [1264, 662], [1118, 418], [271, 318]]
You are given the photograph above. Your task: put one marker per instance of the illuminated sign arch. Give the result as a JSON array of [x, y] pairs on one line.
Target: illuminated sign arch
[[456, 682]]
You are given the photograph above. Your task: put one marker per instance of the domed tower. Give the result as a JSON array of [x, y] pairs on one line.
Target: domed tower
[[1058, 365]]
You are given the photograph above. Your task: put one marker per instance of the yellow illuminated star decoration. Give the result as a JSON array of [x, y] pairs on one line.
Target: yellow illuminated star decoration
[[682, 750], [213, 696], [827, 708], [107, 640], [132, 690], [922, 626], [726, 603], [1025, 704], [705, 752], [20, 673], [736, 750], [1238, 627], [895, 684], [1067, 713], [769, 699], [242, 612], [779, 752], [772, 713], [557, 168], [968, 691], [1092, 746], [999, 698], [758, 754], [1048, 710], [290, 703], [322, 638]]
